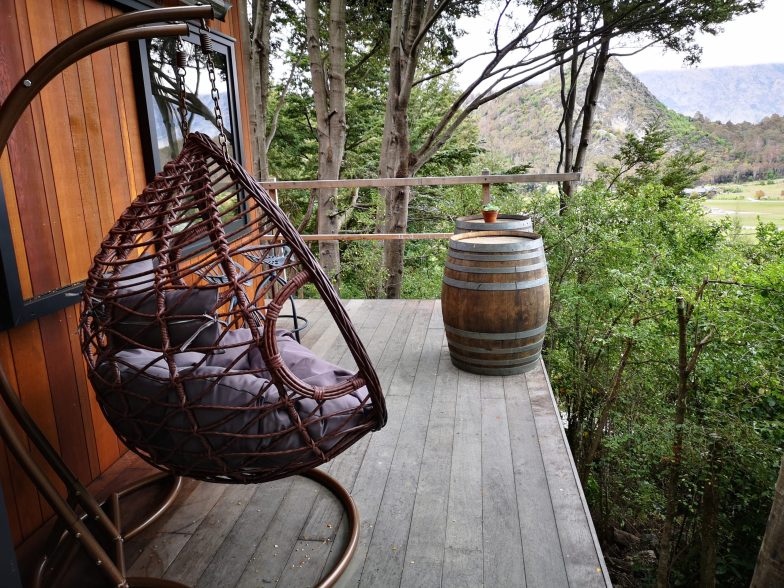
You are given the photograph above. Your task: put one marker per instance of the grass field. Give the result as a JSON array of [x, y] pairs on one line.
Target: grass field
[[747, 211], [773, 191], [741, 203]]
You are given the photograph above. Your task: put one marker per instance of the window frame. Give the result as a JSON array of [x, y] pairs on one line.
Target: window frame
[[16, 310], [145, 102]]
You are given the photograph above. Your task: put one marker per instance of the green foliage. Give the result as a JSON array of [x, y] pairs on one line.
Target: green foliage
[[628, 244]]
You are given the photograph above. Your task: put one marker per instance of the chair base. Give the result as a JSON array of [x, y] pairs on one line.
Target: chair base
[[62, 551], [57, 562], [339, 492]]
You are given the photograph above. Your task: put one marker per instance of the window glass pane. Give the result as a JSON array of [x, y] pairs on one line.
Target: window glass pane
[[198, 97]]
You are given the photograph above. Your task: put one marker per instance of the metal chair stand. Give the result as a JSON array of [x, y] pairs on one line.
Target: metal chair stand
[[71, 529]]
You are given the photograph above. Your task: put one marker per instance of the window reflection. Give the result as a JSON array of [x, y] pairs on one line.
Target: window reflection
[[198, 98]]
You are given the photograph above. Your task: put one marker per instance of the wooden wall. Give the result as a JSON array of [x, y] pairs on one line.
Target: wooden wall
[[74, 162]]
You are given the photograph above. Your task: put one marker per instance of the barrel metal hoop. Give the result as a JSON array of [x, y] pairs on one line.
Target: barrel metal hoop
[[494, 371], [484, 257], [497, 336], [504, 350], [495, 287], [517, 269], [504, 225], [521, 245], [498, 362]]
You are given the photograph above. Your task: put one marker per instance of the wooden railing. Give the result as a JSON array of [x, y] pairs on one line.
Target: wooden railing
[[485, 180]]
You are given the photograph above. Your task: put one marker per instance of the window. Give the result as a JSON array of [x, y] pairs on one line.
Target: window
[[160, 107]]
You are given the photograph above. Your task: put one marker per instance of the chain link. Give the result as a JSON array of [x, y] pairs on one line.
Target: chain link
[[206, 48], [181, 61]]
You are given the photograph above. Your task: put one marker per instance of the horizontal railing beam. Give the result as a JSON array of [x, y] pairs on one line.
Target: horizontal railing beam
[[424, 181], [364, 237], [376, 236]]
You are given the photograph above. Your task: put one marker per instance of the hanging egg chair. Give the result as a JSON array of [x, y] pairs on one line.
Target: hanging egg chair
[[191, 372], [178, 329]]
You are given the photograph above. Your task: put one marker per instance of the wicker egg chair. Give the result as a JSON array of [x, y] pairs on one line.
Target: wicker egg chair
[[191, 372]]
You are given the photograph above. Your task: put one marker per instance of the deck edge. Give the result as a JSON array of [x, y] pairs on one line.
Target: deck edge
[[584, 502]]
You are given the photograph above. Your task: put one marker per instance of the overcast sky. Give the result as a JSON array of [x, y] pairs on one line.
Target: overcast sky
[[750, 39]]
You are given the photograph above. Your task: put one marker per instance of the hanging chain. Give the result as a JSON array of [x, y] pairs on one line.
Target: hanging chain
[[206, 48], [181, 61]]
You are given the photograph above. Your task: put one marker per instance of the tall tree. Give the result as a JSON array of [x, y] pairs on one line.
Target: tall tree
[[344, 56], [535, 46], [687, 362], [260, 18], [414, 26], [328, 78]]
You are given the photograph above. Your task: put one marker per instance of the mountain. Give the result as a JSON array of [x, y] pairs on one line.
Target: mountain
[[522, 126], [736, 94]]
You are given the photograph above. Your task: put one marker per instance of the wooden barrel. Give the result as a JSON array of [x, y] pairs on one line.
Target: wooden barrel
[[495, 298], [505, 222]]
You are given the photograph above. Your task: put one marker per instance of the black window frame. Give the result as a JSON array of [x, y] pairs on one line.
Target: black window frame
[[223, 45], [15, 310]]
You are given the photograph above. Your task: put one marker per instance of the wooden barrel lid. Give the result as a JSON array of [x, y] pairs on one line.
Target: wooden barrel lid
[[505, 222], [495, 241]]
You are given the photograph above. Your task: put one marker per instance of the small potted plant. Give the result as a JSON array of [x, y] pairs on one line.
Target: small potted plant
[[490, 213]]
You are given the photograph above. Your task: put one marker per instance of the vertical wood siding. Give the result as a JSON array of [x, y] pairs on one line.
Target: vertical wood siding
[[73, 164]]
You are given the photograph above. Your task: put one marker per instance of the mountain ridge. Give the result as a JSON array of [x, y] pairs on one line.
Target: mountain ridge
[[522, 126]]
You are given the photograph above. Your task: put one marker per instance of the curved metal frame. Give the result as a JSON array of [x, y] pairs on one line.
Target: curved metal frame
[[109, 32], [337, 489], [94, 38]]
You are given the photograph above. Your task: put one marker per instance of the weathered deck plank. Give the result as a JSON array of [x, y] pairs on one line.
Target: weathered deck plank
[[463, 558], [386, 553], [469, 484], [233, 556], [501, 543], [424, 559], [584, 566], [537, 520]]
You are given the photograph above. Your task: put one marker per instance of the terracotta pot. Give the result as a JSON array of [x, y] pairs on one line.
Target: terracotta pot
[[490, 215]]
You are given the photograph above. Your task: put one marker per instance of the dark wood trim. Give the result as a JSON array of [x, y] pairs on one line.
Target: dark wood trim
[[9, 567]]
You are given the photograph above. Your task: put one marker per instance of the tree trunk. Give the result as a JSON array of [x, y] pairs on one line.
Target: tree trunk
[[569, 102], [770, 561], [710, 521], [396, 159], [329, 97], [597, 434], [258, 61], [671, 489], [591, 100], [396, 222]]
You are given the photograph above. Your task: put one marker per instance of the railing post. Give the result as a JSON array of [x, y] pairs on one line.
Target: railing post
[[485, 188], [273, 192]]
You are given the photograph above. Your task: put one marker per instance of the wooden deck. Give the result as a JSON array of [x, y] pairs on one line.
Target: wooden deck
[[470, 483]]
